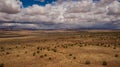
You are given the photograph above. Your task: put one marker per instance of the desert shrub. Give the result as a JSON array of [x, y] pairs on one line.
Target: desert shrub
[[38, 48], [116, 55], [43, 48], [55, 47], [34, 54], [108, 45], [2, 50], [87, 62], [25, 52], [71, 44], [9, 48], [97, 44], [70, 54], [102, 44], [85, 45], [18, 55], [74, 57], [54, 50], [1, 47], [45, 55], [38, 52], [58, 46], [80, 45], [105, 46], [104, 63], [23, 47], [1, 64], [50, 58], [16, 47], [48, 49], [114, 47], [7, 53], [64, 46], [41, 56]]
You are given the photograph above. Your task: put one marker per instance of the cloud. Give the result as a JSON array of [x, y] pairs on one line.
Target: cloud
[[19, 26], [35, 10], [114, 8], [105, 2], [63, 14], [10, 6]]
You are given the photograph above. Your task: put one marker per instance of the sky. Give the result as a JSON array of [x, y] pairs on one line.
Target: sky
[[27, 3], [60, 14]]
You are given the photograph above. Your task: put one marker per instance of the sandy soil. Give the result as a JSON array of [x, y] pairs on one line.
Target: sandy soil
[[60, 48]]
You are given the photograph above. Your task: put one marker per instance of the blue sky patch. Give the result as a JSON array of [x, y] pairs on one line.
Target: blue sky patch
[[27, 3]]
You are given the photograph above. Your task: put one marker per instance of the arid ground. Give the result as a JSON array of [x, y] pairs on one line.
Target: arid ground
[[60, 48]]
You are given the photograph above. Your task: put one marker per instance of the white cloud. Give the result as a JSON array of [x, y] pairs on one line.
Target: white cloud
[[105, 2], [114, 8], [73, 14], [10, 6], [34, 10]]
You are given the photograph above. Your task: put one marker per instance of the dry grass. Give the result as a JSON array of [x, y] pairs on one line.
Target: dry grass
[[60, 48]]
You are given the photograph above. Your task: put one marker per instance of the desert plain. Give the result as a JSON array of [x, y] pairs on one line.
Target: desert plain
[[60, 48]]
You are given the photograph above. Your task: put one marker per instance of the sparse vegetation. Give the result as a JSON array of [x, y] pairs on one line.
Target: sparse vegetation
[[7, 53], [45, 55], [1, 65], [38, 52], [41, 56], [16, 47], [69, 48], [108, 45], [114, 47], [74, 57], [70, 54], [2, 47], [23, 47], [18, 55], [50, 58], [25, 52], [87, 62], [85, 45], [34, 54], [104, 63], [9, 48], [38, 48], [54, 50], [80, 45], [116, 55]]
